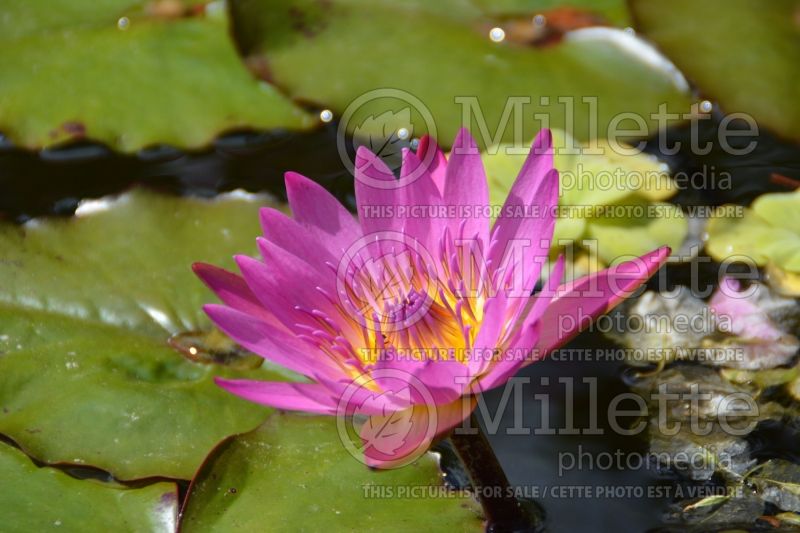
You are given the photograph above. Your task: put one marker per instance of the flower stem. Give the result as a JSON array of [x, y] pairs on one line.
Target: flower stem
[[504, 512]]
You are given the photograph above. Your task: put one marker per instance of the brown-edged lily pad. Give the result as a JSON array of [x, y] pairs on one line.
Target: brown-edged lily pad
[[128, 74], [362, 58], [46, 499]]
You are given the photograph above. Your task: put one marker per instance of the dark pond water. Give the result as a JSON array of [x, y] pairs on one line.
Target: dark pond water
[[53, 182]]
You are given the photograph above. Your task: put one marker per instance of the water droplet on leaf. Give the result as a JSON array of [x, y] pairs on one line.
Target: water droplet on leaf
[[497, 35]]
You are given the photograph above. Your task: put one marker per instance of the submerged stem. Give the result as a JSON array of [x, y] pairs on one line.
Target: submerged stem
[[504, 512]]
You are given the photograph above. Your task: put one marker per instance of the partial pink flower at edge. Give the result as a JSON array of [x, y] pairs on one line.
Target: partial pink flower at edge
[[295, 306], [739, 313]]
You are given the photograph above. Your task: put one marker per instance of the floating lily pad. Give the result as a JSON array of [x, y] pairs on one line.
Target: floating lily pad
[[743, 53], [129, 74], [782, 281], [439, 58], [768, 233], [44, 499], [639, 228], [87, 307], [293, 473]]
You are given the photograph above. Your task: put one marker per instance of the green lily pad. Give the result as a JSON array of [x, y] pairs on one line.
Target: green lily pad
[[87, 307], [768, 233], [294, 474], [743, 53], [437, 59], [128, 74], [43, 499], [590, 181]]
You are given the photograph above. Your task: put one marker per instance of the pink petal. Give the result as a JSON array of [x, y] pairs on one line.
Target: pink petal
[[377, 192], [738, 311], [309, 397], [429, 152], [527, 218], [271, 343], [296, 239], [430, 380], [548, 293], [398, 438], [357, 398], [420, 191], [234, 292], [521, 351], [520, 354], [495, 319], [465, 185], [317, 209], [293, 290], [583, 300]]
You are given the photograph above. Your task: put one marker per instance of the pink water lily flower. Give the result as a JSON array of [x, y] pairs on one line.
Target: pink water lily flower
[[422, 285]]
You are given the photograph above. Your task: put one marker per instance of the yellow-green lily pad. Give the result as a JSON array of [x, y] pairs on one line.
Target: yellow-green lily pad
[[46, 499], [768, 233], [294, 474], [87, 308], [638, 228], [128, 73]]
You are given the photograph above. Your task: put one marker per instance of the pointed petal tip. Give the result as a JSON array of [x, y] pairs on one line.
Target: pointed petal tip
[[426, 142], [222, 382], [200, 268], [294, 179], [266, 215], [242, 261], [659, 255], [543, 141], [211, 275], [464, 142], [429, 145], [369, 166], [364, 154], [211, 310]]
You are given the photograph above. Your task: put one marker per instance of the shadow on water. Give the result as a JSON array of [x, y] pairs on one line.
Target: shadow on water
[[53, 182], [582, 480]]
